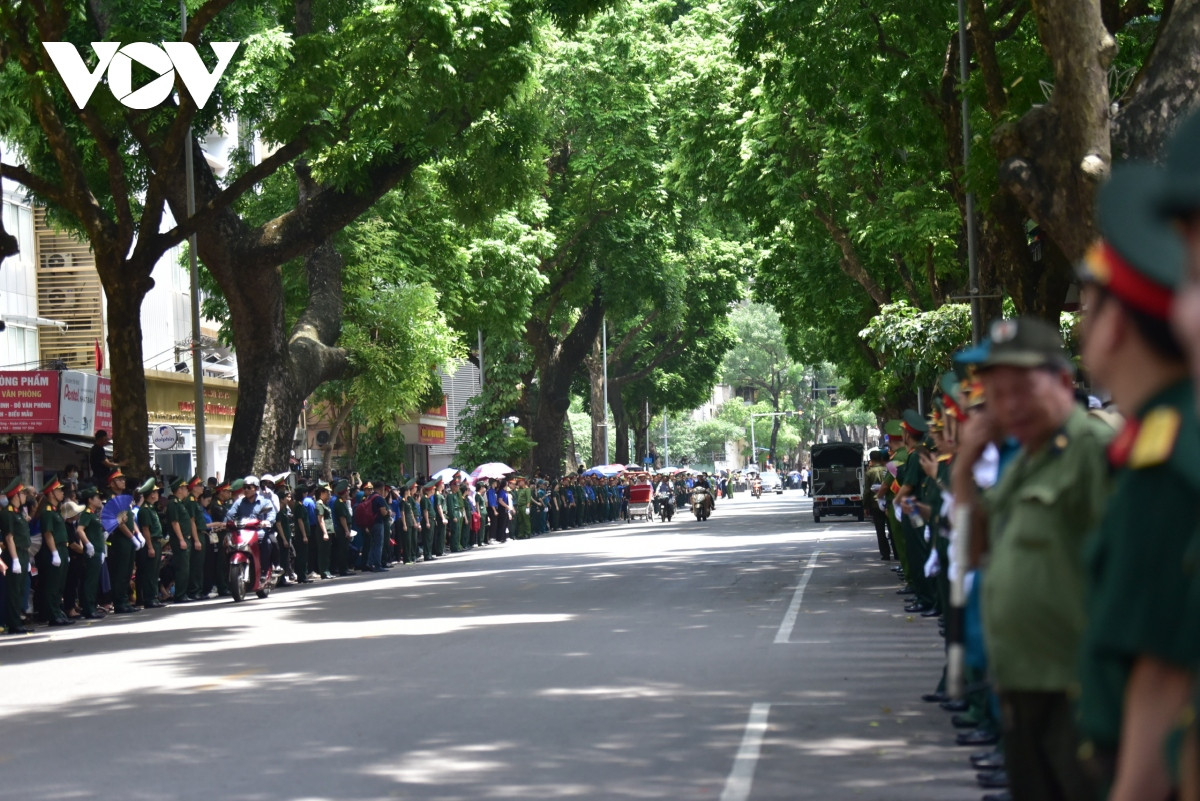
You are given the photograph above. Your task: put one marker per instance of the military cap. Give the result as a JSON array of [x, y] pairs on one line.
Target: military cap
[[952, 396], [177, 483], [1024, 342], [1180, 192], [368, 486], [51, 485], [1140, 259], [913, 422], [14, 487], [193, 481], [115, 473], [224, 485], [341, 487], [87, 493], [894, 428], [412, 482], [429, 485], [148, 486], [236, 485]]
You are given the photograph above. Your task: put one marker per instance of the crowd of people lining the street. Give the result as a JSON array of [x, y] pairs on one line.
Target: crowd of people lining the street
[[112, 545], [1071, 521]]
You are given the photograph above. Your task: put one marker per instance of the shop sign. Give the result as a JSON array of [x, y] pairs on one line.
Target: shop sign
[[77, 403], [29, 402], [431, 435], [104, 404], [165, 437]]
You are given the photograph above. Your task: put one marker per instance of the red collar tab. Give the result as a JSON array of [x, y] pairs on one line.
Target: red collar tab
[[1122, 445]]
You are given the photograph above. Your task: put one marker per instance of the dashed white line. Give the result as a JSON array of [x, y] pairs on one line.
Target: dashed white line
[[789, 620], [741, 777]]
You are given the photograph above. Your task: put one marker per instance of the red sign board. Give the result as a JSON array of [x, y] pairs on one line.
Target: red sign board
[[28, 402], [439, 411], [104, 404], [431, 435]]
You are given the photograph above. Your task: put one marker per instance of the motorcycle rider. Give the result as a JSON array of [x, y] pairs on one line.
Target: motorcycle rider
[[253, 506]]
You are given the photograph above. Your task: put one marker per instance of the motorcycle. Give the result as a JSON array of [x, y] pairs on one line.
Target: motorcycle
[[702, 503], [756, 488], [245, 560], [664, 506]]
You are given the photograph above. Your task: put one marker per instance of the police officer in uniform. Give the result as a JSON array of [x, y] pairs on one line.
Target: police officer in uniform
[[521, 528], [53, 558], [149, 558], [1141, 648], [15, 530]]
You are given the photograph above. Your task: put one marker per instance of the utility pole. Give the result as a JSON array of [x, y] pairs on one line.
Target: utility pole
[[197, 359], [972, 243], [605, 415]]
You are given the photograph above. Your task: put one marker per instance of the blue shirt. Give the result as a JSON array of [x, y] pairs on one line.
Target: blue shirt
[[311, 506], [491, 496], [259, 507], [502, 496]]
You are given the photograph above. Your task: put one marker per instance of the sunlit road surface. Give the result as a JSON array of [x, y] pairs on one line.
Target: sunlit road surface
[[753, 656]]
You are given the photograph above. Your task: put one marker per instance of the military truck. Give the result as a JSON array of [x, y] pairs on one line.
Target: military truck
[[837, 480]]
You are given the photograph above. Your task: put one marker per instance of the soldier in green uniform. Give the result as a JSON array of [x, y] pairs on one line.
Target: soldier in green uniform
[[1035, 523], [912, 479], [149, 558], [324, 531], [179, 533], [1141, 649], [437, 519], [412, 529], [897, 455], [454, 512], [425, 520], [1179, 202], [216, 550], [343, 530], [54, 555], [522, 500], [877, 475], [91, 534], [195, 578], [121, 549], [15, 531], [301, 534]]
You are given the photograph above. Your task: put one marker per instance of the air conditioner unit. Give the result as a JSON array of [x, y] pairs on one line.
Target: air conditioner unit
[[57, 261]]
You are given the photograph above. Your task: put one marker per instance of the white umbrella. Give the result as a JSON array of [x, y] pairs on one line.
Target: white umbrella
[[491, 470], [447, 475]]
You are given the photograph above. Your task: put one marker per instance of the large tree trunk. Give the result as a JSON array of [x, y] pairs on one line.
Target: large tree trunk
[[1167, 88], [131, 443], [621, 427], [556, 363], [1054, 157], [596, 400]]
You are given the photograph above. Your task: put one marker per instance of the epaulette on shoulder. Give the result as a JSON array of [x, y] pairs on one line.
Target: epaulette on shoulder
[[1156, 438]]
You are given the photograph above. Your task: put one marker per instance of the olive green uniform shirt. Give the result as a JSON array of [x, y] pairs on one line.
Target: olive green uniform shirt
[[1040, 515], [177, 512], [52, 521], [148, 520], [1143, 565]]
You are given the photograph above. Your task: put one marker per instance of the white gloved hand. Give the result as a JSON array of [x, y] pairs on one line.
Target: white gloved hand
[[932, 565], [927, 537], [139, 542], [55, 559], [16, 566], [899, 512], [882, 505], [90, 550], [103, 556]]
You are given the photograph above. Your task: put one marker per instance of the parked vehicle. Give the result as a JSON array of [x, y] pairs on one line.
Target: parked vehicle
[[837, 480], [245, 564]]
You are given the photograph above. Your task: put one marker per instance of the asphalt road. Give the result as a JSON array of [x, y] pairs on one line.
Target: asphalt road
[[644, 661]]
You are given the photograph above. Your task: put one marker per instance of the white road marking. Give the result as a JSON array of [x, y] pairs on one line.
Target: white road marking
[[789, 620], [741, 777]]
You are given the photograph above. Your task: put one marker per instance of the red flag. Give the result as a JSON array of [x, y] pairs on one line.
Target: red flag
[[99, 357]]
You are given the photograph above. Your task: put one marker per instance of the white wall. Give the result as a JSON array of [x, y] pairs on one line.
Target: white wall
[[18, 286]]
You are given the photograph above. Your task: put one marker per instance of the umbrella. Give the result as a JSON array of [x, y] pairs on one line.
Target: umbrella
[[671, 470], [491, 470], [605, 470], [113, 508], [448, 475]]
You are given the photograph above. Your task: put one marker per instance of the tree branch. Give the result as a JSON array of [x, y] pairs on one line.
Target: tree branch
[[850, 263]]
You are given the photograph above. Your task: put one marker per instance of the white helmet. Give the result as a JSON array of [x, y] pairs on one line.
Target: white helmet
[[250, 480]]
